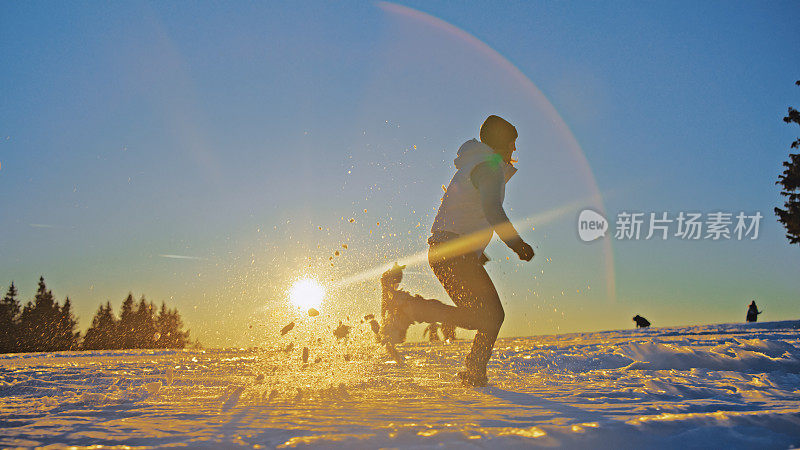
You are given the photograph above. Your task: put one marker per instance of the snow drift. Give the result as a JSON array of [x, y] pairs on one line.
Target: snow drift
[[732, 386]]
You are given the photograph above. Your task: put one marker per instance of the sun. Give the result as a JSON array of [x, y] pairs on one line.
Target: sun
[[306, 293]]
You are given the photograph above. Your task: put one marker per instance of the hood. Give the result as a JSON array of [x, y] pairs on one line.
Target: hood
[[474, 152]]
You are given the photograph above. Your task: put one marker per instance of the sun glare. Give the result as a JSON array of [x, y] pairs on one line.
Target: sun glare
[[307, 293]]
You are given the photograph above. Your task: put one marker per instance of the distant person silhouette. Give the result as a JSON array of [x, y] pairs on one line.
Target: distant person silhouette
[[394, 322], [471, 211], [753, 312], [448, 332], [641, 322], [432, 331]]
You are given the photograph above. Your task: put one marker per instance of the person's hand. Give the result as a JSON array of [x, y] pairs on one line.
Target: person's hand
[[525, 252]]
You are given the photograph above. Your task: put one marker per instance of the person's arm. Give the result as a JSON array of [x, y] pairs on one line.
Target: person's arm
[[488, 179]]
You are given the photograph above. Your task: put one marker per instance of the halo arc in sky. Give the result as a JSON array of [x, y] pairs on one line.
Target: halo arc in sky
[[541, 101]]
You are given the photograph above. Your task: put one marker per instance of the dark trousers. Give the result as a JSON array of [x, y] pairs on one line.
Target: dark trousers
[[477, 304]]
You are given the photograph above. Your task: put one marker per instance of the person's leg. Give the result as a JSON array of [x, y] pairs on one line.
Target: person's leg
[[420, 309], [478, 305]]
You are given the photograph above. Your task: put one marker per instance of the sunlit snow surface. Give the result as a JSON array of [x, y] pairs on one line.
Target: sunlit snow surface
[[718, 386]]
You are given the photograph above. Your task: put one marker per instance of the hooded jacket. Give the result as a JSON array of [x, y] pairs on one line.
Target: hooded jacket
[[461, 211]]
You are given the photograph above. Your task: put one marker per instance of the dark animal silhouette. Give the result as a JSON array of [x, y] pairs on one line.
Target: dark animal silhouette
[[753, 312], [641, 322]]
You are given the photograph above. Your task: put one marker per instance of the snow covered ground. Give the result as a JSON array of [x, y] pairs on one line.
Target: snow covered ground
[[717, 386]]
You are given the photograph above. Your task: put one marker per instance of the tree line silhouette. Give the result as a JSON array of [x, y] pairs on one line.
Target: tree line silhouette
[[789, 181], [45, 325]]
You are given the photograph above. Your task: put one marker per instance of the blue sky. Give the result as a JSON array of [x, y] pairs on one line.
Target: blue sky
[[230, 133]]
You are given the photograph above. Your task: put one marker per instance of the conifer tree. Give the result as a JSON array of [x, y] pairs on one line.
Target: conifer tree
[[161, 326], [102, 335], [126, 331], [170, 329], [44, 325], [790, 186], [145, 326], [38, 320], [9, 321], [66, 337]]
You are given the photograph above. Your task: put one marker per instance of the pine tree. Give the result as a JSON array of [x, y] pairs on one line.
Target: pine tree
[[145, 328], [109, 328], [44, 326], [66, 338], [126, 331], [38, 321], [170, 329], [790, 183], [101, 335], [9, 321], [161, 327]]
